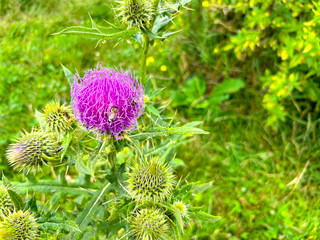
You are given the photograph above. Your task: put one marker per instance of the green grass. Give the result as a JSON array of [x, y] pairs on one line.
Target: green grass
[[265, 184]]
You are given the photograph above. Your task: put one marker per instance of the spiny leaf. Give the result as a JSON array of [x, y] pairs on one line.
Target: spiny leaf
[[203, 216], [153, 110], [160, 23], [68, 74], [14, 195], [155, 93], [82, 219], [59, 226], [202, 188], [167, 131], [99, 33], [52, 187]]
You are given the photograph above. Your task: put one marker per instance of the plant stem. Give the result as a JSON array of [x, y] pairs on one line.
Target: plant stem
[[112, 156], [143, 63], [145, 49]]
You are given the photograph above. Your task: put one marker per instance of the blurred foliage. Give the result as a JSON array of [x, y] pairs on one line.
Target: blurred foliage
[[274, 42], [248, 68]]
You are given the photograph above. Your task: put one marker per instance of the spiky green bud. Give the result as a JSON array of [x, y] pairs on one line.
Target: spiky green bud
[[18, 226], [151, 180], [135, 13], [56, 118], [31, 150], [6, 205], [180, 208], [150, 224]]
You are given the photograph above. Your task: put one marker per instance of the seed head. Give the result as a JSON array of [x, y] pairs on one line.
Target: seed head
[[135, 13], [31, 150], [56, 118], [149, 224], [18, 226], [180, 208], [107, 101], [6, 205], [151, 180]]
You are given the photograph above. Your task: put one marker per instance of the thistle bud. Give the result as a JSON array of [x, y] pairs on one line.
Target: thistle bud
[[180, 208], [56, 118], [135, 13], [6, 205], [31, 150], [149, 224], [18, 225], [151, 180]]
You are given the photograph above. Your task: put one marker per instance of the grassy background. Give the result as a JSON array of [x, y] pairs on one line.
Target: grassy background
[[265, 180]]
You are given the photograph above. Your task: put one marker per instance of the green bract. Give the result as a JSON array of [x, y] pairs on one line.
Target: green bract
[[31, 150], [18, 226], [151, 180], [149, 224]]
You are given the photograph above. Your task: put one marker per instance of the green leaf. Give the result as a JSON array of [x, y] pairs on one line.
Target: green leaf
[[81, 166], [68, 74], [221, 92], [153, 110], [31, 204], [203, 216], [66, 143], [168, 34], [138, 37], [52, 187], [167, 131], [59, 226], [16, 199], [100, 33], [179, 222], [155, 93], [203, 187], [186, 131], [83, 218], [160, 22], [14, 195], [228, 86]]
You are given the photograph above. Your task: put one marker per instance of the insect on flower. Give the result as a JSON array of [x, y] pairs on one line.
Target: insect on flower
[[113, 114], [102, 101]]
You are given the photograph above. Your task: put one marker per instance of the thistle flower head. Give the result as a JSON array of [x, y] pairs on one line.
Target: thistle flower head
[[151, 180], [107, 101], [180, 208], [135, 13], [31, 150], [149, 224], [18, 226], [6, 205], [56, 118]]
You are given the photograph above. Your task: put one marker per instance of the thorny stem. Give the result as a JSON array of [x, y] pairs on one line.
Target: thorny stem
[[143, 67], [145, 48], [112, 156]]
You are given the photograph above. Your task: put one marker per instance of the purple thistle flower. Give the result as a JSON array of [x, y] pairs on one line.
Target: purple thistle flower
[[107, 101]]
